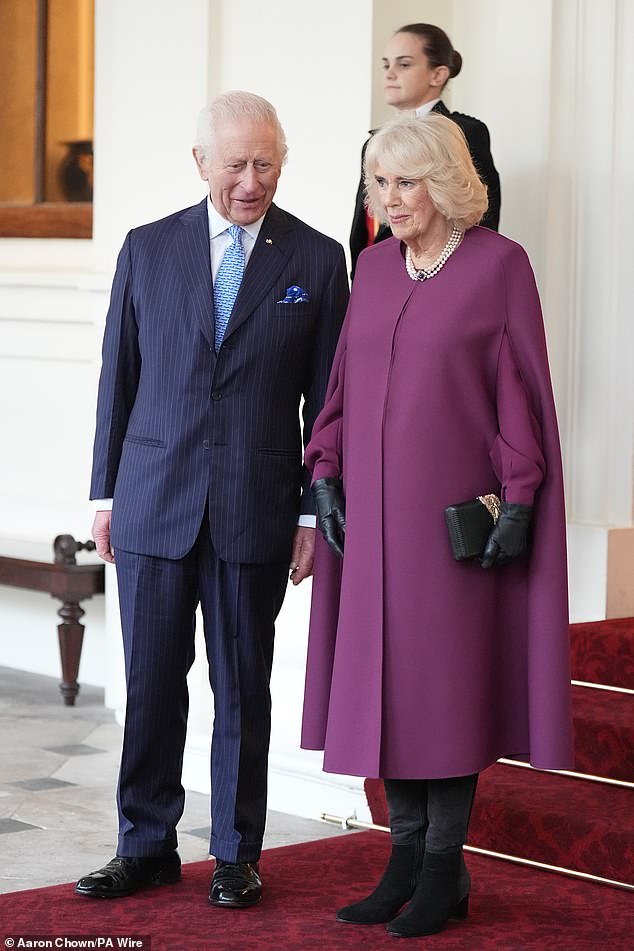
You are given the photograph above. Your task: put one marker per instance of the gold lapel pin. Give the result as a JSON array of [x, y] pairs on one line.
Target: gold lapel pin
[[268, 241]]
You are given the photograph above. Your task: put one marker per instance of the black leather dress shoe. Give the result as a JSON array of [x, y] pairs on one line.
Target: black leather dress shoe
[[235, 885], [124, 876]]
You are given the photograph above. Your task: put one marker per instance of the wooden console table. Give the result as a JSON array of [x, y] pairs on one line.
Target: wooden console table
[[64, 579]]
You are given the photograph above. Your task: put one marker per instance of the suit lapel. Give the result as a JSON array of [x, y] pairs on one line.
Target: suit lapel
[[272, 250], [192, 248]]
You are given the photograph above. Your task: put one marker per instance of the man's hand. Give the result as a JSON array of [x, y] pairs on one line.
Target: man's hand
[[302, 554], [101, 536]]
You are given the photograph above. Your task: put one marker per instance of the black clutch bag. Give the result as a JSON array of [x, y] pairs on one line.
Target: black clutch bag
[[470, 524]]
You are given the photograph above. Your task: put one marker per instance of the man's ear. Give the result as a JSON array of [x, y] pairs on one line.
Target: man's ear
[[200, 164]]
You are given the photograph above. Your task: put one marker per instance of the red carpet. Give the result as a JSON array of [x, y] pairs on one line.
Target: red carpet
[[602, 652], [554, 819], [512, 908], [604, 733]]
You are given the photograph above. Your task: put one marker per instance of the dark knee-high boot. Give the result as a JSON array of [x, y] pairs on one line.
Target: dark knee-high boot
[[395, 888], [407, 807], [442, 891], [437, 897]]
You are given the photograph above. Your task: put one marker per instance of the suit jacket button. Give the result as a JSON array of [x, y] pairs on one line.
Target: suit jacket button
[[205, 444], [216, 395]]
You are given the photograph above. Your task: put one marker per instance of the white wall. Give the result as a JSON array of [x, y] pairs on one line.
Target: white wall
[[48, 346], [152, 68], [314, 64], [505, 81]]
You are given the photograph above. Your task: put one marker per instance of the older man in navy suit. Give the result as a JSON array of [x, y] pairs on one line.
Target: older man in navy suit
[[223, 317]]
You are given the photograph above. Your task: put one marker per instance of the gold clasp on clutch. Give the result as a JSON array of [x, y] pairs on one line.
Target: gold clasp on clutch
[[492, 504]]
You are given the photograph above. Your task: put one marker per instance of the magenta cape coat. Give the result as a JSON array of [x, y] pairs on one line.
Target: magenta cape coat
[[420, 666]]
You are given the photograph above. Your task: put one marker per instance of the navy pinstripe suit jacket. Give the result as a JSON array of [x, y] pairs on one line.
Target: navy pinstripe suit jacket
[[179, 426]]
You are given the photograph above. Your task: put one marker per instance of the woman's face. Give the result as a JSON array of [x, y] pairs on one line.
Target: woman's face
[[408, 79], [410, 211]]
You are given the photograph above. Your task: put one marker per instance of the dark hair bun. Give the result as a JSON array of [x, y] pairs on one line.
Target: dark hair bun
[[456, 64]]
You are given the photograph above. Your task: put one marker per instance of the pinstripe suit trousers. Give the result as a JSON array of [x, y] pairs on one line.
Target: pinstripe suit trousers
[[158, 599]]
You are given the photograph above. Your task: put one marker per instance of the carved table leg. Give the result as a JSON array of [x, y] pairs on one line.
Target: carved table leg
[[71, 636]]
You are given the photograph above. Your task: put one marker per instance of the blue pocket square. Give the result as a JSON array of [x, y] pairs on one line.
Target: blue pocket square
[[295, 295]]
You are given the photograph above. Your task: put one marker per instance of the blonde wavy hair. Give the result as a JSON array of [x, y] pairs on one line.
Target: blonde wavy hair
[[432, 149]]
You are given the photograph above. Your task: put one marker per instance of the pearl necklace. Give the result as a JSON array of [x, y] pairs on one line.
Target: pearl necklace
[[425, 273]]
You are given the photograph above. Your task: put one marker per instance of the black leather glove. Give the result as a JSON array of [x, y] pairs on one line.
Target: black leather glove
[[509, 538], [331, 512]]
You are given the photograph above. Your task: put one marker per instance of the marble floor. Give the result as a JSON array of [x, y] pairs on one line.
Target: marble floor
[[58, 769]]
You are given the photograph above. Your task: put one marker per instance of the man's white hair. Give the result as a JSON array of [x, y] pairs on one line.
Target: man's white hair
[[235, 106]]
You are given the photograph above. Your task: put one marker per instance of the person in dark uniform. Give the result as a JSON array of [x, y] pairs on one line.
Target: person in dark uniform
[[419, 61]]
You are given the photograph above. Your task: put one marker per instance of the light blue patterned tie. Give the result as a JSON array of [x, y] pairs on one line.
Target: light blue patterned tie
[[227, 283]]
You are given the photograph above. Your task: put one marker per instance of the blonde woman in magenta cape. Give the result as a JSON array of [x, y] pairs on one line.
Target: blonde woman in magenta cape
[[423, 670]]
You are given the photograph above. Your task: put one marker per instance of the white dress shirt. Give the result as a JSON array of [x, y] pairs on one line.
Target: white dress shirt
[[426, 107], [220, 238]]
